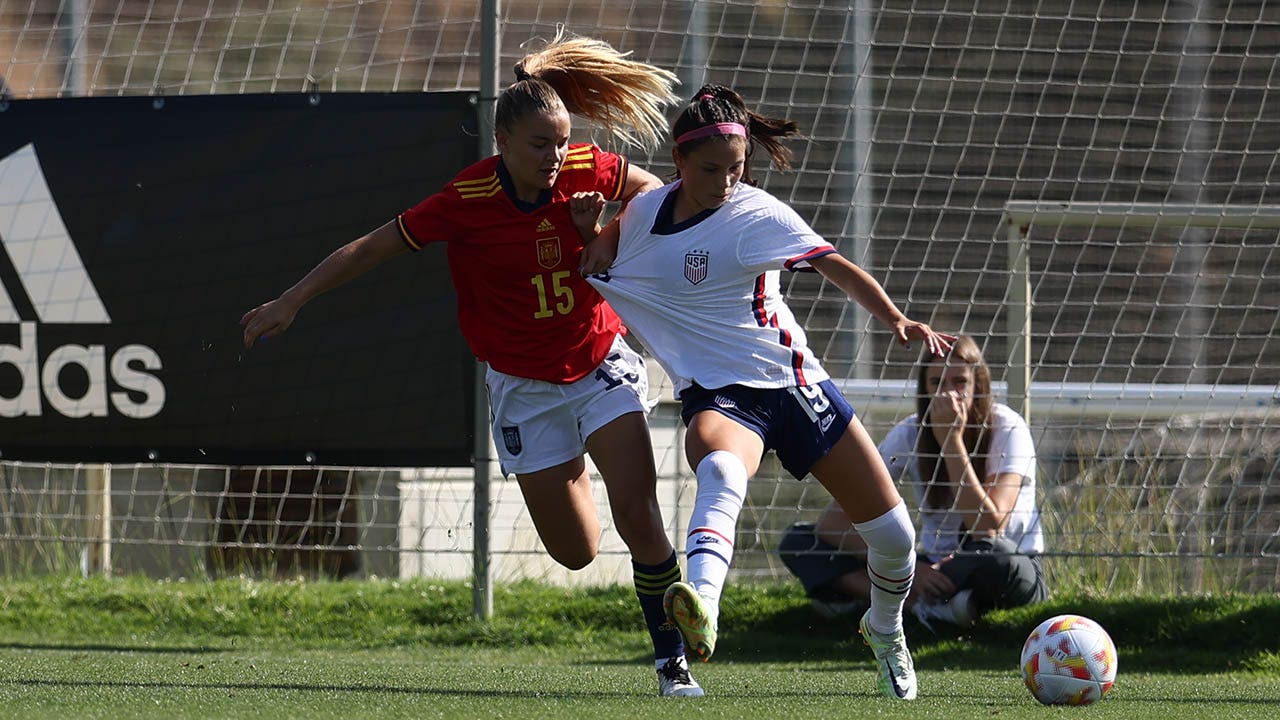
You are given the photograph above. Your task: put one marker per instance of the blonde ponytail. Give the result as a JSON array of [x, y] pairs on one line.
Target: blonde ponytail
[[595, 81]]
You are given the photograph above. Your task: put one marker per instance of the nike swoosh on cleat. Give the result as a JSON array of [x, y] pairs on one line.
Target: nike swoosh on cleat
[[893, 681]]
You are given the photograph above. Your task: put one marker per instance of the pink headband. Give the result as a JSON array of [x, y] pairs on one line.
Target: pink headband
[[709, 130]]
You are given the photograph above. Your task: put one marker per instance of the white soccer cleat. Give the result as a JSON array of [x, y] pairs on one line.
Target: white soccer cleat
[[897, 675], [674, 679]]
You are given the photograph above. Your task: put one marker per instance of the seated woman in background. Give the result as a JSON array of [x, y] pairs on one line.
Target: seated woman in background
[[971, 463]]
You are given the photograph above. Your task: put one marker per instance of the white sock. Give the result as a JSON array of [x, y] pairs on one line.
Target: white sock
[[891, 564], [722, 488]]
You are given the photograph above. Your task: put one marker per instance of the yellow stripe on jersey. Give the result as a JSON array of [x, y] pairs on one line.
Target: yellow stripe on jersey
[[469, 189], [405, 235], [481, 181], [497, 187], [621, 187], [579, 159]]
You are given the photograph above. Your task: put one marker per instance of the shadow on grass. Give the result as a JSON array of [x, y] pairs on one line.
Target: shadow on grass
[[327, 688], [1183, 635], [306, 687], [109, 647]]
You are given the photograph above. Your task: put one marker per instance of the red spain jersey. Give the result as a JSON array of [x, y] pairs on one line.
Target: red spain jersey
[[522, 306]]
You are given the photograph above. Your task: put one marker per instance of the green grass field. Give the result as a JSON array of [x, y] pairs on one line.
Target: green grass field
[[139, 648]]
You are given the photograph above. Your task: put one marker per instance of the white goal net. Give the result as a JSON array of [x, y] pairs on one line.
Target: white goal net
[[994, 164]]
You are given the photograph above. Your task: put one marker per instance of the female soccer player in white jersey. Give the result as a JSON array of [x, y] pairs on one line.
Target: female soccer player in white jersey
[[561, 380], [696, 278]]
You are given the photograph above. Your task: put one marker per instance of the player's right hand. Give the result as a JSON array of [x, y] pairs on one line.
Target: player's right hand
[[586, 208], [267, 320]]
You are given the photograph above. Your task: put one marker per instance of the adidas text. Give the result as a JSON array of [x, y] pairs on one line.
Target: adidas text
[[132, 391]]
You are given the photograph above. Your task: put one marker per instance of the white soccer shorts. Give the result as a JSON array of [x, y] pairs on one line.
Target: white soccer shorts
[[537, 424]]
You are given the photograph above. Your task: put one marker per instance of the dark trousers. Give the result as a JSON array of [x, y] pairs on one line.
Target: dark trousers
[[991, 567]]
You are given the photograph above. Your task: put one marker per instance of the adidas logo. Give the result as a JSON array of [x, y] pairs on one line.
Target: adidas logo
[[52, 277], [545, 226]]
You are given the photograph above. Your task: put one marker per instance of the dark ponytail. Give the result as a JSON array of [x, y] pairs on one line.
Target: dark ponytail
[[714, 104]]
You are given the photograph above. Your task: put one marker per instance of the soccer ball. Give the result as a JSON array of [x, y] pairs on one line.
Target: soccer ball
[[1069, 660]]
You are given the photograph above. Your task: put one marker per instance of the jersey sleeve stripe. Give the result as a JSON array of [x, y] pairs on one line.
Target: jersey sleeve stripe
[[405, 235], [481, 181], [491, 188], [623, 166], [806, 257]]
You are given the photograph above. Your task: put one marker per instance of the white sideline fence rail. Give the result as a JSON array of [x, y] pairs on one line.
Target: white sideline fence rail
[[420, 522]]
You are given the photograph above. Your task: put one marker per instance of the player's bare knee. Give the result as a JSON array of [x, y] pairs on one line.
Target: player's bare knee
[[576, 557], [577, 563]]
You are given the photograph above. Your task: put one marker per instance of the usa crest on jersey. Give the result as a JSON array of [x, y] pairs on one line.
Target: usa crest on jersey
[[695, 267]]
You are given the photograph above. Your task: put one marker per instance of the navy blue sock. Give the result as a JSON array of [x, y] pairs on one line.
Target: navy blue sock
[[652, 582]]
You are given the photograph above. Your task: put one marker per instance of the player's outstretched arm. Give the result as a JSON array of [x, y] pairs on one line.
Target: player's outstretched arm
[[347, 262], [859, 285]]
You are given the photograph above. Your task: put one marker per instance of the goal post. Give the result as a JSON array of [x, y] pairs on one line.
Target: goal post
[[1020, 215]]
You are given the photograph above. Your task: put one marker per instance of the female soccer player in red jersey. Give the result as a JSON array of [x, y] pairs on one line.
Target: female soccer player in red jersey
[[561, 380]]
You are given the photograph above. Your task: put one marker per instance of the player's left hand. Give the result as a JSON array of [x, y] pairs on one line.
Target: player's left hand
[[938, 344]]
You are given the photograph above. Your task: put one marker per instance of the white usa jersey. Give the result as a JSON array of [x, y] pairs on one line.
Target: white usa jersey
[[703, 295]]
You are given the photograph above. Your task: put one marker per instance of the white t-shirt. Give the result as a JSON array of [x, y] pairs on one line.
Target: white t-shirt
[[704, 297], [1011, 451]]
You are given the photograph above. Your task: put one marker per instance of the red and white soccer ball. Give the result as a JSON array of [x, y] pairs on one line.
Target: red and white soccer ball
[[1069, 660]]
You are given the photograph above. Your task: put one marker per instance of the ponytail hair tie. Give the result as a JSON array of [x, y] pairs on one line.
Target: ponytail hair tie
[[726, 128], [706, 96], [521, 74]]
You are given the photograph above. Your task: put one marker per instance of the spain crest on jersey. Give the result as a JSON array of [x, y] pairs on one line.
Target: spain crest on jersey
[[695, 267], [549, 252], [511, 438]]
